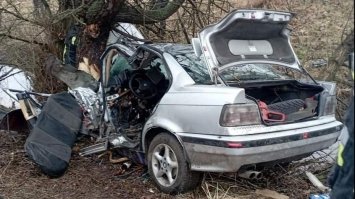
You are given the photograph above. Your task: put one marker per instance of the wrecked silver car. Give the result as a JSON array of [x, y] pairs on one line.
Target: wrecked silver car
[[237, 97]]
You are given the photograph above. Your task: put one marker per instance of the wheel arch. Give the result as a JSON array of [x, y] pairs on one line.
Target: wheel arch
[[153, 132]]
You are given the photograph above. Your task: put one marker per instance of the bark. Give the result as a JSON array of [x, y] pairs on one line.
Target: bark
[[41, 9], [104, 15], [101, 11], [132, 14]]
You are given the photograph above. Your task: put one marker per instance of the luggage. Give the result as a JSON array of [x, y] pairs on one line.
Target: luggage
[[52, 138]]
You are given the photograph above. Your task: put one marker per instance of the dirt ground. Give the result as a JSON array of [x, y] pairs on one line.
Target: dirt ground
[[86, 178], [94, 177]]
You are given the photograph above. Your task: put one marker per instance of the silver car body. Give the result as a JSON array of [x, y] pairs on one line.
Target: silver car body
[[192, 113]]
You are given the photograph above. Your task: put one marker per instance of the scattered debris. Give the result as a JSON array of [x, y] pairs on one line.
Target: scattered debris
[[319, 63], [112, 160], [315, 181], [271, 194]]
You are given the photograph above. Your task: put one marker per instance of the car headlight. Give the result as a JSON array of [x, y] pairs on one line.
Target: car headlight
[[240, 115], [330, 105]]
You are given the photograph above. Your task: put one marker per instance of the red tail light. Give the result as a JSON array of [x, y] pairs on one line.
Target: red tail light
[[240, 115]]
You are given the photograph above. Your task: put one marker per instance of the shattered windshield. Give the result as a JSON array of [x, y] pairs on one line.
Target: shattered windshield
[[261, 72], [195, 67]]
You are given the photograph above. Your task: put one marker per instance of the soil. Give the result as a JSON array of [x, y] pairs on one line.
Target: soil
[[95, 177], [90, 177]]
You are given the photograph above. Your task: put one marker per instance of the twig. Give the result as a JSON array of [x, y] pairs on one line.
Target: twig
[[342, 102], [7, 166], [183, 29], [22, 39], [351, 14], [13, 74]]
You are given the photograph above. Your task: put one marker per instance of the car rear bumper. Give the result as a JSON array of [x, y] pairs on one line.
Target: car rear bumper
[[230, 153]]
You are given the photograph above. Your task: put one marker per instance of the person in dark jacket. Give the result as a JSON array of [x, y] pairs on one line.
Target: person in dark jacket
[[341, 179], [71, 43]]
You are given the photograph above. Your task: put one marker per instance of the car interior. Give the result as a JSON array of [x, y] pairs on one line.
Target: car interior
[[134, 85]]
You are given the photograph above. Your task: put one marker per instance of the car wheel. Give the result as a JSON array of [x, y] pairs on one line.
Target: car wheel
[[168, 166]]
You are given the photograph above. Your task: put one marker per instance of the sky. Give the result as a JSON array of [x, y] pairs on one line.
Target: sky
[[18, 81]]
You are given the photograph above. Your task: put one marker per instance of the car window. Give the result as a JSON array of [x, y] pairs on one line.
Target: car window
[[261, 72], [195, 67], [158, 62]]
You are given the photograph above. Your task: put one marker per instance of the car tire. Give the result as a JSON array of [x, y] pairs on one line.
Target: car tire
[[168, 166]]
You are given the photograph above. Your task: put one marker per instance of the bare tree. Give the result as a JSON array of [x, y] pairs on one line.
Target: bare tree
[[44, 24]]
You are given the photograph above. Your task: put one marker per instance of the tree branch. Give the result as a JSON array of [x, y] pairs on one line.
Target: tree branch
[[42, 9], [7, 73], [20, 17], [3, 77], [129, 36], [131, 14], [22, 39], [183, 28]]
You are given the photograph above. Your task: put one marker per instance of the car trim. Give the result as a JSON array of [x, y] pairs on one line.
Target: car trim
[[263, 142]]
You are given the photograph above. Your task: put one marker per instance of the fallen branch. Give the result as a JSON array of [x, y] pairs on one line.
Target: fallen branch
[[114, 161]]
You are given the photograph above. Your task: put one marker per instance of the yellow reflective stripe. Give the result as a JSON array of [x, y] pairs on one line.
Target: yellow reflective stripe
[[340, 155], [64, 52], [353, 75], [73, 40]]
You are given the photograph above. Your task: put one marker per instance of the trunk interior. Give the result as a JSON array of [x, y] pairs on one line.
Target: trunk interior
[[284, 101]]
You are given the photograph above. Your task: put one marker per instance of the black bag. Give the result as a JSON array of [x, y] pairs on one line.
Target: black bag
[[51, 140]]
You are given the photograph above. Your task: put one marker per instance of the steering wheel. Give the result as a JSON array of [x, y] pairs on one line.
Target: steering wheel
[[142, 87]]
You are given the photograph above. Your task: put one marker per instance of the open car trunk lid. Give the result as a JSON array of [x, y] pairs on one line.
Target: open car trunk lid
[[247, 35]]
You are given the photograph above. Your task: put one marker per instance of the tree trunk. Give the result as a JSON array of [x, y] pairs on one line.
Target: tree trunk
[[100, 16], [52, 20]]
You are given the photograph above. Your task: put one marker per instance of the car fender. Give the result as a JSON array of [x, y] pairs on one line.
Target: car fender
[[161, 123], [158, 122]]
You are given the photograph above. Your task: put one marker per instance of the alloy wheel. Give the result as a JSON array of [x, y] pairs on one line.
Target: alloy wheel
[[165, 165]]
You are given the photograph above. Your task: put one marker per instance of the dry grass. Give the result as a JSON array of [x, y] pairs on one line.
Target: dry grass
[[94, 177], [86, 178]]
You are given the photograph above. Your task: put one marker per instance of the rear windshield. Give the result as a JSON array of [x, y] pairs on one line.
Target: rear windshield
[[261, 72], [195, 67]]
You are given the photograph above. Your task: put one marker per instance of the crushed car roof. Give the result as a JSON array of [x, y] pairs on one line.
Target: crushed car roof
[[174, 49]]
